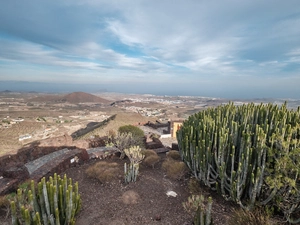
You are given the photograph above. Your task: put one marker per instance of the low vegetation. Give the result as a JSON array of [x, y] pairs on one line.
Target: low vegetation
[[173, 154], [103, 171], [135, 131], [254, 217], [175, 169], [151, 158], [126, 137]]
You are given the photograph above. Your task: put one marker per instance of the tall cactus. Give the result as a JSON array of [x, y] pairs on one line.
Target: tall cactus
[[56, 202], [242, 151]]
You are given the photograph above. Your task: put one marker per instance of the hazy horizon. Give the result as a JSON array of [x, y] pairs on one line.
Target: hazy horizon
[[95, 88], [226, 49]]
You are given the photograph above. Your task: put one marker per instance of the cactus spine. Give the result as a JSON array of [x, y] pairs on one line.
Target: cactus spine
[[248, 153], [51, 204]]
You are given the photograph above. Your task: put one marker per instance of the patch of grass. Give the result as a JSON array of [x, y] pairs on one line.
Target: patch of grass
[[103, 171], [256, 217], [173, 154], [175, 169]]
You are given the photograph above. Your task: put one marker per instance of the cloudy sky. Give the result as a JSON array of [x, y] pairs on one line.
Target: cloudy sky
[[220, 48]]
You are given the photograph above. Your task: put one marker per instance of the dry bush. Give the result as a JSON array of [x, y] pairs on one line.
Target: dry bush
[[148, 152], [173, 154], [175, 169], [256, 217], [151, 160], [4, 202], [103, 171]]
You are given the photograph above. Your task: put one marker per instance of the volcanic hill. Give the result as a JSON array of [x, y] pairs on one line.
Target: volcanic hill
[[75, 98]]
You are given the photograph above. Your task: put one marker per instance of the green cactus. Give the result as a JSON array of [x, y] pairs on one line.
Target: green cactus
[[135, 156], [249, 153], [51, 204]]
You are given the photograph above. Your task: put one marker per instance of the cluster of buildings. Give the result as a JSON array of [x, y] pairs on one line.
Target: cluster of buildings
[[144, 111]]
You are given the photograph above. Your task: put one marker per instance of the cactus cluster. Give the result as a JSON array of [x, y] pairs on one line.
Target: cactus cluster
[[202, 213], [248, 153], [55, 202], [135, 156]]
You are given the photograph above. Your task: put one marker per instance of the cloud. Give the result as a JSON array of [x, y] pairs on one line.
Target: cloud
[[179, 42]]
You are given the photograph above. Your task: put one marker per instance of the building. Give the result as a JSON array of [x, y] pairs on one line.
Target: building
[[174, 126]]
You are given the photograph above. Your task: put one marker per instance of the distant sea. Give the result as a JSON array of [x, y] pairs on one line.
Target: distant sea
[[160, 89]]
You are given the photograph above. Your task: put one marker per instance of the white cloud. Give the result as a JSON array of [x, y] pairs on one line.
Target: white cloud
[[181, 40]]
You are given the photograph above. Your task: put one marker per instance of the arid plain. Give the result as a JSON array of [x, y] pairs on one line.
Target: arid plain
[[28, 117]]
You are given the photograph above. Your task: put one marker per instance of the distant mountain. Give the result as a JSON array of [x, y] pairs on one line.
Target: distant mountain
[[75, 98], [82, 97], [6, 91]]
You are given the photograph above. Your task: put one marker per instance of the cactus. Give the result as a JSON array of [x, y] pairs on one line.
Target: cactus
[[195, 205], [135, 156], [249, 153], [56, 202]]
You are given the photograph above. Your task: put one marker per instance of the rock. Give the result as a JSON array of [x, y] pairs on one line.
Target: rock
[[157, 217], [19, 171], [171, 193]]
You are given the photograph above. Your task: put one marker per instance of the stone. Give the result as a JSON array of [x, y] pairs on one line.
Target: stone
[[172, 194], [19, 171]]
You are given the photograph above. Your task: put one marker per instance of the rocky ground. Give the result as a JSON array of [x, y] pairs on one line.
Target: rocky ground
[[143, 202]]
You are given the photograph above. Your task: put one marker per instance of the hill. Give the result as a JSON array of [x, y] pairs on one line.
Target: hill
[[75, 98], [82, 97]]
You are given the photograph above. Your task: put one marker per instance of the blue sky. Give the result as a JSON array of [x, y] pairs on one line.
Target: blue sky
[[220, 48]]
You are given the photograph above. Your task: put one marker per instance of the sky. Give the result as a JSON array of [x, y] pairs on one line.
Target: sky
[[217, 48]]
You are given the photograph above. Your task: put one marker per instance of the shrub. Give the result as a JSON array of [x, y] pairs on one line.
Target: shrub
[[103, 171], [4, 202], [175, 169], [135, 131], [124, 141], [137, 134], [56, 201], [256, 217], [173, 154], [148, 152], [151, 160]]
